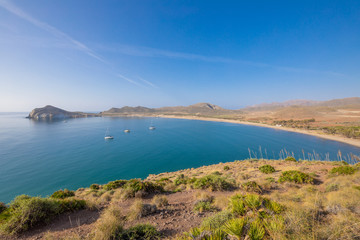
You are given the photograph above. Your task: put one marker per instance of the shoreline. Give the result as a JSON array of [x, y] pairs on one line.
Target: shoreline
[[350, 141]]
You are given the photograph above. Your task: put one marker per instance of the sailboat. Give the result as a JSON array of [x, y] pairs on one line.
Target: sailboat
[[107, 135], [151, 125]]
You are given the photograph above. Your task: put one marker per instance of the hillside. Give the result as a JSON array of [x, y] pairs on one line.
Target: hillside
[[274, 199], [196, 109], [342, 103]]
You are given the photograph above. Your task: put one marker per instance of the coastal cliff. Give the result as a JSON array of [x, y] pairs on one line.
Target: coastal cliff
[[51, 112]]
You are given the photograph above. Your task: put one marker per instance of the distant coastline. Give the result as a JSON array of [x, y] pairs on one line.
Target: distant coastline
[[337, 138]]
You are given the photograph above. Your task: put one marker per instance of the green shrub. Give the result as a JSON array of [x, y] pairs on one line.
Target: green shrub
[[214, 182], [181, 179], [63, 194], [343, 170], [296, 177], [140, 232], [226, 168], [27, 212], [136, 185], [2, 207], [203, 206], [290, 159], [114, 184], [251, 186], [267, 169], [94, 186], [356, 187]]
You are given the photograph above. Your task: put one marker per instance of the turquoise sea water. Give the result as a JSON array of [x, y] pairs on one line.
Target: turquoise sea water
[[38, 158]]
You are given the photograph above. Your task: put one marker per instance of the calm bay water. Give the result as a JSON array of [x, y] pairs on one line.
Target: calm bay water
[[38, 158]]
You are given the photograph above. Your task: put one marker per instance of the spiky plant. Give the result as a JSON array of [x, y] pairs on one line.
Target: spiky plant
[[236, 227], [253, 201], [256, 231]]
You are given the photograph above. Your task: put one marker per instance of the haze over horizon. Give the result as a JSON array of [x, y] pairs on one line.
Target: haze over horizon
[[91, 56]]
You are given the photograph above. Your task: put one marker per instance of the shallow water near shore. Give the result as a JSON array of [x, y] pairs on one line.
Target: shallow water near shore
[[40, 157]]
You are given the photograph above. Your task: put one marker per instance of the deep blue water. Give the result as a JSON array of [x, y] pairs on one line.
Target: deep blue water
[[38, 158]]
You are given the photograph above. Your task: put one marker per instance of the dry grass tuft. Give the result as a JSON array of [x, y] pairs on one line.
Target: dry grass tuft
[[110, 224], [160, 201]]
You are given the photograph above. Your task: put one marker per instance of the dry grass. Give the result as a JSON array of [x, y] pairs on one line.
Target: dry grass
[[140, 209], [109, 224], [160, 201]]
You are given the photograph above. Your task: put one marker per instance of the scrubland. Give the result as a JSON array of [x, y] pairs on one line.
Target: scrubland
[[250, 199]]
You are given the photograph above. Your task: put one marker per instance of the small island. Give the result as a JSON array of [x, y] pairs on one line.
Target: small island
[[51, 112]]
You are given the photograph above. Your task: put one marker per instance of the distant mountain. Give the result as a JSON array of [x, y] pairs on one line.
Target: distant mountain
[[51, 112], [288, 109], [344, 102], [275, 105], [199, 108]]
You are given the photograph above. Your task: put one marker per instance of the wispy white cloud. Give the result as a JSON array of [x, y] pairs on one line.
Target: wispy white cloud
[[147, 82], [54, 31], [130, 80], [64, 40], [153, 52]]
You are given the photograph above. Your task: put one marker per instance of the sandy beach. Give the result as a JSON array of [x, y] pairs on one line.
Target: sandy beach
[[354, 142]]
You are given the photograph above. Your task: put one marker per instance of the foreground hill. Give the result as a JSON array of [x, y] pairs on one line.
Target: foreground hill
[[251, 199], [50, 112]]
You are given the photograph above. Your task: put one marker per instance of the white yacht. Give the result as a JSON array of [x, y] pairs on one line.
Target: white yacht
[[107, 135]]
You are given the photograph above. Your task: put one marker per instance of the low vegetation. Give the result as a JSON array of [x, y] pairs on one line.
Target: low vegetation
[[160, 201], [343, 170], [267, 169], [249, 216], [290, 159], [214, 182], [250, 201], [26, 212], [347, 131], [63, 194], [2, 207], [251, 186], [296, 177], [140, 232]]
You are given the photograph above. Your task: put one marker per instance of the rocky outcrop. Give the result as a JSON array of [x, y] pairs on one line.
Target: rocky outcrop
[[51, 112]]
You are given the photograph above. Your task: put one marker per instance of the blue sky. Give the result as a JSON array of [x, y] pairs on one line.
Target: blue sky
[[92, 55]]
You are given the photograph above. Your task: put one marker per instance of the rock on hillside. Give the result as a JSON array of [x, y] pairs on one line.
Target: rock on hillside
[[51, 112]]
